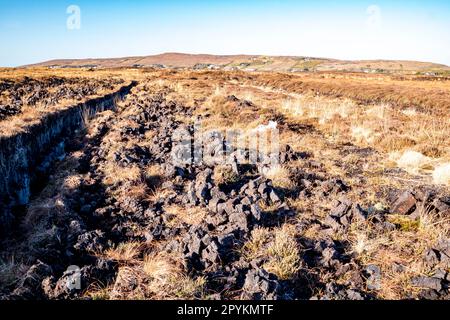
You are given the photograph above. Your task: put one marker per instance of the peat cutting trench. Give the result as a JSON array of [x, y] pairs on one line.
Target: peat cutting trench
[[26, 158], [108, 214]]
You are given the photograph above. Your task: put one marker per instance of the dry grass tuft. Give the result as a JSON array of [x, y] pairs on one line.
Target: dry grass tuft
[[38, 212], [115, 174], [404, 223], [125, 252], [138, 191], [279, 248], [159, 194], [224, 175], [167, 279], [72, 182], [283, 254], [10, 273], [399, 252], [255, 247], [280, 176], [191, 215]]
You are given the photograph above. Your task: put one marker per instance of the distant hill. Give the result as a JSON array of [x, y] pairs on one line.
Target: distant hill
[[249, 63]]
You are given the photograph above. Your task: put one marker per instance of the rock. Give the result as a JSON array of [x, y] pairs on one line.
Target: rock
[[29, 285], [214, 204], [203, 192], [444, 246], [340, 210], [259, 285], [195, 246], [429, 294], [287, 154], [428, 283], [256, 212], [431, 257], [217, 219], [337, 292], [344, 213], [334, 223], [439, 254], [230, 204], [69, 285], [238, 221], [334, 186], [92, 242], [330, 257], [442, 207], [274, 197], [358, 213], [226, 241], [389, 226], [442, 274], [398, 268], [263, 188], [211, 253], [75, 229], [374, 277], [405, 204], [131, 205], [354, 295], [191, 195]]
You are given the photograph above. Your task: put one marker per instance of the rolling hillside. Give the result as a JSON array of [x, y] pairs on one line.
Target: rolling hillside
[[250, 63]]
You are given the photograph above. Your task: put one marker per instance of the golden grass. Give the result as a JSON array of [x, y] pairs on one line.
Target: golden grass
[[278, 247], [432, 95], [158, 276], [283, 252], [115, 174], [126, 252], [254, 248], [167, 279], [138, 191], [159, 193], [280, 177], [153, 276], [189, 215], [403, 247]]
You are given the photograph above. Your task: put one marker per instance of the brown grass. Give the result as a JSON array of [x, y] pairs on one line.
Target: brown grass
[[279, 248], [125, 252], [115, 174], [190, 215]]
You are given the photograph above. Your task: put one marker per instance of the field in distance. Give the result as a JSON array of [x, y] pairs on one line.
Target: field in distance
[[256, 63]]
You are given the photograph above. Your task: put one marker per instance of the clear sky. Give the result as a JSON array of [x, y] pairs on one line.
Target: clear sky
[[34, 31]]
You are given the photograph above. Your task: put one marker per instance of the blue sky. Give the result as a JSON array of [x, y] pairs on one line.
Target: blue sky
[[34, 31]]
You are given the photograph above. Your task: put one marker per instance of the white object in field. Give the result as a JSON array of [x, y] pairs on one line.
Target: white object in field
[[412, 161], [272, 125], [441, 174]]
